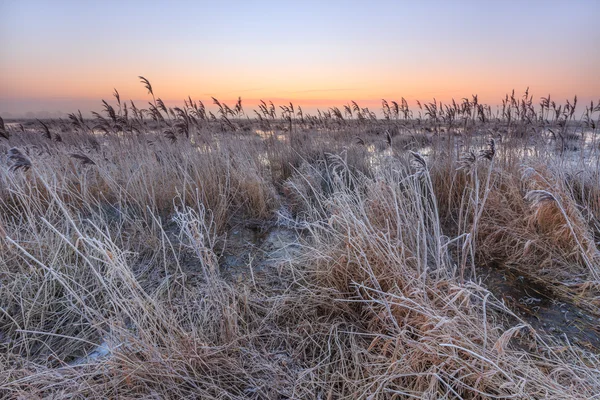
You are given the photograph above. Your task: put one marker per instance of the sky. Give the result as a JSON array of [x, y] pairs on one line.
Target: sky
[[57, 56]]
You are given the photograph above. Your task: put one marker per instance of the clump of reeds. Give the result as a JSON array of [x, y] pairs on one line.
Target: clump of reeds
[[421, 325], [19, 160], [3, 132]]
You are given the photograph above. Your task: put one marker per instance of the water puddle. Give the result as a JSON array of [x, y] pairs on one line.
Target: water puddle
[[271, 134], [103, 350], [537, 305], [251, 252]]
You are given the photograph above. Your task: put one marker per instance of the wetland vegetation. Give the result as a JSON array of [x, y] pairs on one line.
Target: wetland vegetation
[[431, 250]]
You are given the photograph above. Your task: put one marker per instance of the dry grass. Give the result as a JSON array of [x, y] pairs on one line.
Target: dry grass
[[112, 271]]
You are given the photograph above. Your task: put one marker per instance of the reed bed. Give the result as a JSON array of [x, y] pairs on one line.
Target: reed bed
[[114, 230]]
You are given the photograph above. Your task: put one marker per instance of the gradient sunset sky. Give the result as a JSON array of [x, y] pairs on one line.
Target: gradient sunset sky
[[67, 55]]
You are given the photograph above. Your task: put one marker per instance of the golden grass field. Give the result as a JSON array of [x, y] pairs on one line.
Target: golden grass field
[[431, 251]]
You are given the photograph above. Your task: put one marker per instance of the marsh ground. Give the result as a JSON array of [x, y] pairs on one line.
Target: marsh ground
[[166, 253]]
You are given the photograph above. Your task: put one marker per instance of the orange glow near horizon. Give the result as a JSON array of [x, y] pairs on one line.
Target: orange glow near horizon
[[61, 58]]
